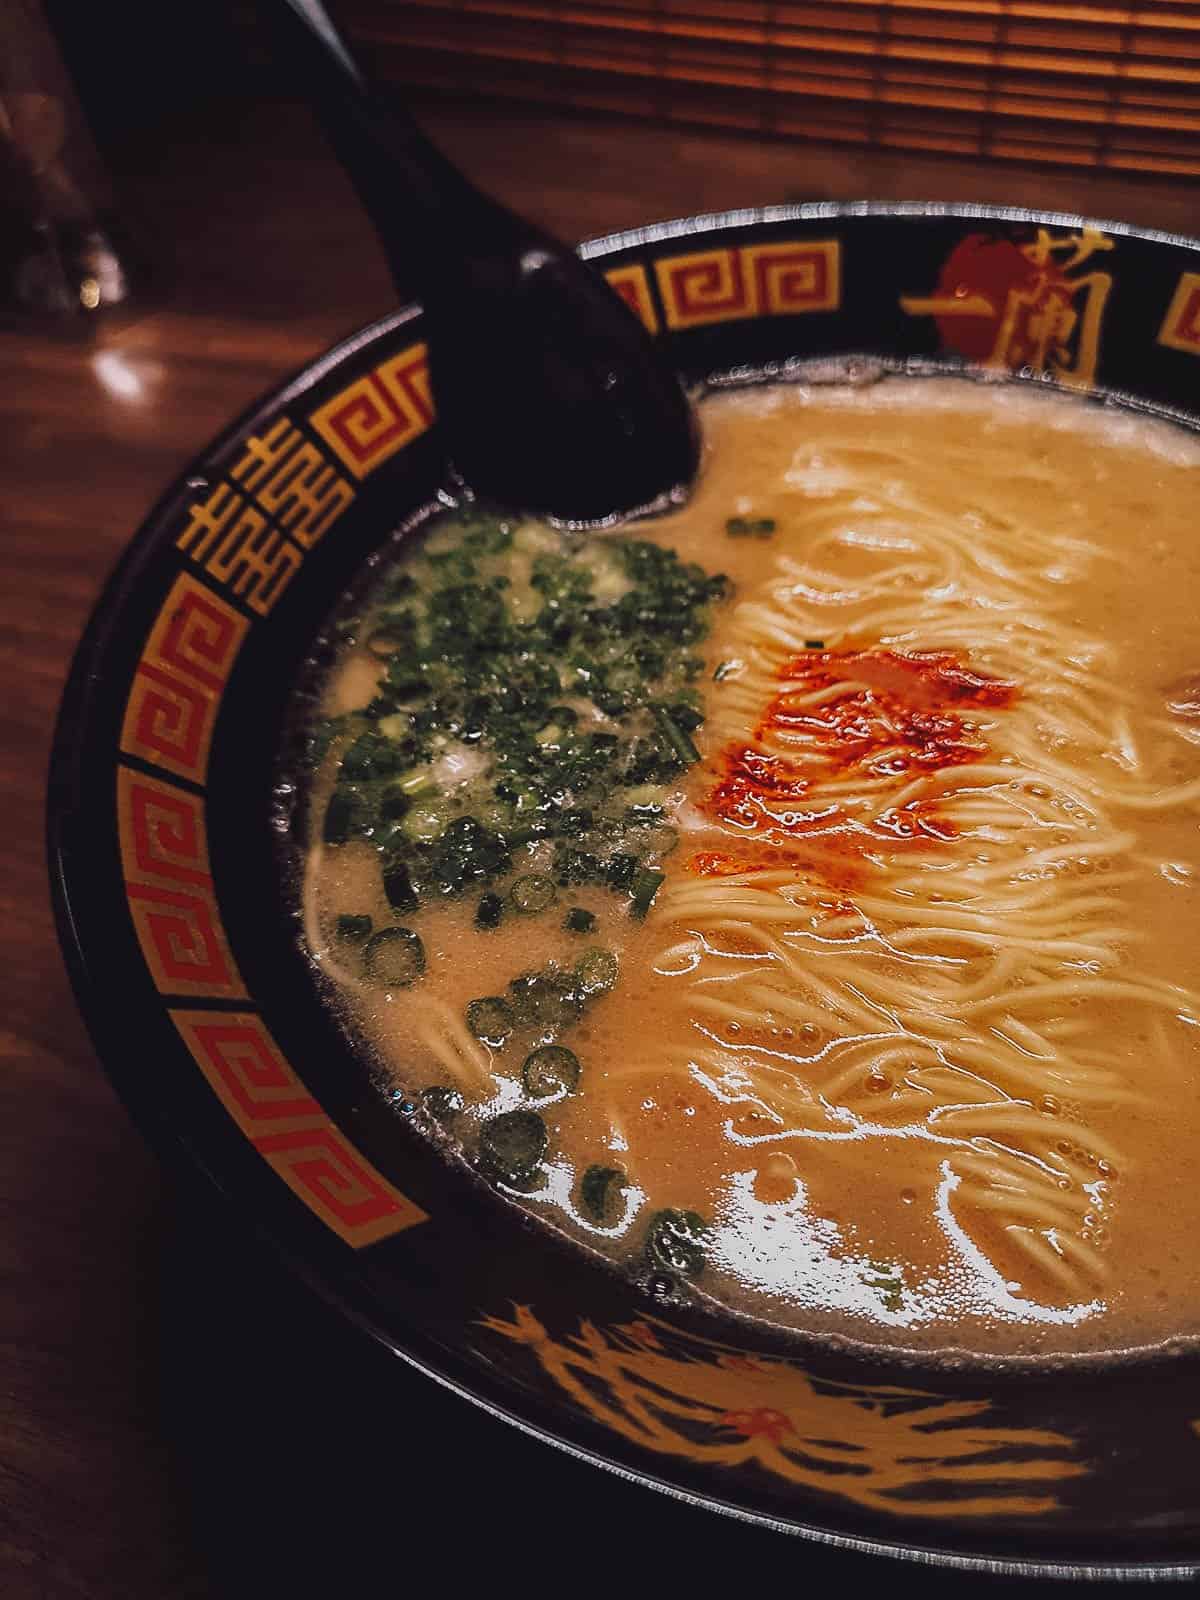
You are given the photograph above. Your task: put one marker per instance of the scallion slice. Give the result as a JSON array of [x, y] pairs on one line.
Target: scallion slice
[[341, 816], [398, 887], [490, 1019], [394, 803], [512, 1145], [417, 785], [596, 971], [550, 1070], [532, 893], [424, 823], [489, 911], [645, 885], [394, 958], [599, 1190], [675, 1240], [679, 743]]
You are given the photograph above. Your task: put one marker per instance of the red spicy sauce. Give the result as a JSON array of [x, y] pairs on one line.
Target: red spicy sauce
[[888, 716]]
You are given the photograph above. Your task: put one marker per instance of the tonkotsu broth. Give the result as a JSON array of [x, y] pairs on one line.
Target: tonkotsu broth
[[911, 1022]]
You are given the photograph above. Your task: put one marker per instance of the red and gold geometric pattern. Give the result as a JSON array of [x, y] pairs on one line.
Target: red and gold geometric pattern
[[632, 284], [795, 277], [254, 545], [242, 1063], [378, 413], [724, 285], [164, 856], [180, 678], [270, 1104], [1181, 325], [249, 533], [235, 544], [292, 482], [335, 1181]]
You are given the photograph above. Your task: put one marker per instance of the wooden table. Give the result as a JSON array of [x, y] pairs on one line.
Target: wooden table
[[176, 1418]]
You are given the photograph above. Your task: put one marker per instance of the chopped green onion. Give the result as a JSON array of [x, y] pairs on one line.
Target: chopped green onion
[[550, 1070], [597, 971], [681, 746], [394, 803], [418, 784], [814, 644], [360, 760], [496, 817], [527, 801], [489, 911], [545, 1000], [341, 816], [646, 796], [532, 893], [462, 661], [577, 920], [674, 1239], [642, 890], [394, 958], [442, 1104], [724, 668], [398, 887], [353, 928], [750, 527], [512, 1145], [619, 870], [490, 1019], [321, 736], [423, 823], [599, 1190]]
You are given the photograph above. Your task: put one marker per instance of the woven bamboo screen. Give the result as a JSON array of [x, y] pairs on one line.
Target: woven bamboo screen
[[1096, 84]]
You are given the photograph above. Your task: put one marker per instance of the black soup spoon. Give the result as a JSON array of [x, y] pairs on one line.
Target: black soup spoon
[[553, 396]]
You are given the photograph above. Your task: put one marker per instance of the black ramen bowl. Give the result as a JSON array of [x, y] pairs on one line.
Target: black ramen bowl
[[181, 932]]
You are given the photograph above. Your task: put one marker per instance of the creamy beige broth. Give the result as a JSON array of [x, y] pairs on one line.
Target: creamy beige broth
[[913, 1022]]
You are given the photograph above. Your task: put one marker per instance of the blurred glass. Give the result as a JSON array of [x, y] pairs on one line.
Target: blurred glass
[[58, 259]]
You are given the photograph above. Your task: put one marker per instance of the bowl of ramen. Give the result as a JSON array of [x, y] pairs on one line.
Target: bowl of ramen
[[721, 991]]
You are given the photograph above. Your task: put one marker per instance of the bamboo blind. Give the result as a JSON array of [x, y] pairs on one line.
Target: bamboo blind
[[1093, 84]]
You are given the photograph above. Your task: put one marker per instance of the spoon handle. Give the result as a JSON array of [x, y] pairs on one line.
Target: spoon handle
[[409, 189]]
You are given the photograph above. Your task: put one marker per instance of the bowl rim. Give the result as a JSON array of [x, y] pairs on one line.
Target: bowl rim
[[822, 210]]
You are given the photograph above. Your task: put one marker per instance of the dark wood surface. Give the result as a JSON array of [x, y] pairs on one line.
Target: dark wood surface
[[176, 1417]]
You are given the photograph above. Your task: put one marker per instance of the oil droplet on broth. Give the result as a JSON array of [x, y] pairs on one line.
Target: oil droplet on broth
[[775, 1179]]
